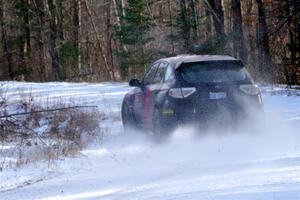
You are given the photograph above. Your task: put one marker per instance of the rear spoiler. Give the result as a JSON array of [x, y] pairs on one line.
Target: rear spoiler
[[238, 62]]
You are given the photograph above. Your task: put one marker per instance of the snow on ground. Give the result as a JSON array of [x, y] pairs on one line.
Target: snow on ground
[[263, 163]]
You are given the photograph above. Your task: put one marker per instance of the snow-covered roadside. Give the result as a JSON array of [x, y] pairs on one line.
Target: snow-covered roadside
[[237, 166], [105, 96]]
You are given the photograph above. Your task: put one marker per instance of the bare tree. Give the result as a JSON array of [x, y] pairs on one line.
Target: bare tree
[[239, 48], [55, 35], [6, 52], [216, 9], [99, 43], [265, 60]]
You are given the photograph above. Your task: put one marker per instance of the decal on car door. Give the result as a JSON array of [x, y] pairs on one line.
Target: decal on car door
[[148, 105]]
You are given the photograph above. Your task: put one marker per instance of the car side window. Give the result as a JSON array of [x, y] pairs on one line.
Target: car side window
[[160, 73], [148, 78], [170, 74]]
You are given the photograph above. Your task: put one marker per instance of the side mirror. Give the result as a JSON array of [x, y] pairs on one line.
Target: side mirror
[[134, 83]]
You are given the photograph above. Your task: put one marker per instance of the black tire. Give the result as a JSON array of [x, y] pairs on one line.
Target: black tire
[[127, 118]]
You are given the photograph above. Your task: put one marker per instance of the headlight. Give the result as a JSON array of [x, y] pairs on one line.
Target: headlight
[[181, 93], [250, 89]]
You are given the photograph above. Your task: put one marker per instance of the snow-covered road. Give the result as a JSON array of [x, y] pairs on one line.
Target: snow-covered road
[[262, 164]]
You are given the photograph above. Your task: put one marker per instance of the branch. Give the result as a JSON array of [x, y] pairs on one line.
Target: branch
[[43, 111], [212, 10]]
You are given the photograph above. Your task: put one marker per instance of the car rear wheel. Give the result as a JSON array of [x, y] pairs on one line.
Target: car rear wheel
[[159, 127]]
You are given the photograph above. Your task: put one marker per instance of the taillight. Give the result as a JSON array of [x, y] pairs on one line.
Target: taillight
[[180, 93], [250, 89]]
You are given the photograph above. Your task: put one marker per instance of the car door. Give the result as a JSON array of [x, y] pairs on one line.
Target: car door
[[143, 94], [151, 92]]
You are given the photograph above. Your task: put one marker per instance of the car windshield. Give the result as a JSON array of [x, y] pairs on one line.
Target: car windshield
[[206, 72]]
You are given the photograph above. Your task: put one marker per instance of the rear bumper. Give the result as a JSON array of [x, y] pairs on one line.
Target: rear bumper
[[205, 119], [220, 113]]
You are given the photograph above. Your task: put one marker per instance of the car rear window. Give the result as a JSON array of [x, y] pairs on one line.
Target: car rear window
[[217, 71]]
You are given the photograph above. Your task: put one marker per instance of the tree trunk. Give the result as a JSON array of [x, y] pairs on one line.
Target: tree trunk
[[76, 32], [6, 51], [109, 35], [57, 71], [39, 10], [99, 43], [291, 59], [239, 48], [193, 16], [184, 24], [60, 20], [266, 64], [208, 23], [218, 17], [118, 7], [25, 46], [171, 26]]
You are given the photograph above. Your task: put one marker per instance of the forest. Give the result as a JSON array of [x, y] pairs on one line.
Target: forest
[[114, 40]]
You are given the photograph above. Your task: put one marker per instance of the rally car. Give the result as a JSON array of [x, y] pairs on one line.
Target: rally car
[[200, 89]]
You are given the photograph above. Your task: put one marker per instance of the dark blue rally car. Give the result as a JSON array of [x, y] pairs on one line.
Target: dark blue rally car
[[201, 89]]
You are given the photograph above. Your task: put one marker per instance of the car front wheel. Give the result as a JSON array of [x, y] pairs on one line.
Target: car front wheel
[[127, 118]]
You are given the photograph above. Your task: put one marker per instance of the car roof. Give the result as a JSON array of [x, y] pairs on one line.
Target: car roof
[[176, 61]]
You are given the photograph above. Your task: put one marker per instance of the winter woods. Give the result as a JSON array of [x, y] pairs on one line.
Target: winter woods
[[99, 40]]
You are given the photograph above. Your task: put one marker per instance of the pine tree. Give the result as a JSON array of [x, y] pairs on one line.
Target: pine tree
[[185, 24], [133, 34]]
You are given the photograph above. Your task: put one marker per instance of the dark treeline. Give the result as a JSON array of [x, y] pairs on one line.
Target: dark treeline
[[100, 40]]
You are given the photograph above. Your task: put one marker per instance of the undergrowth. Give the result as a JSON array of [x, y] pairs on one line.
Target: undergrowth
[[35, 136]]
